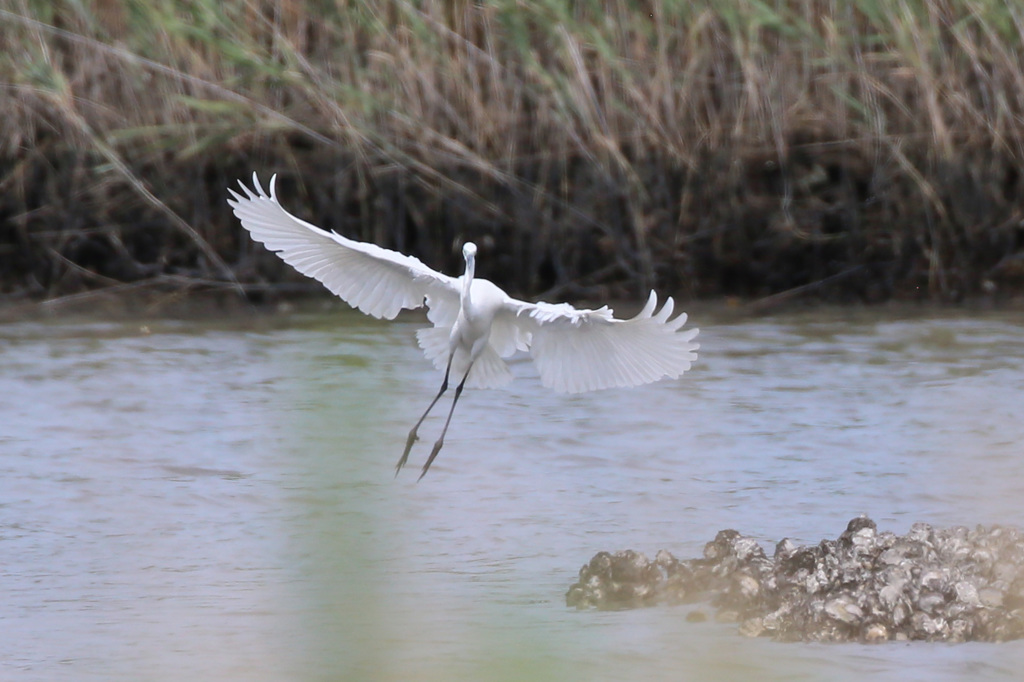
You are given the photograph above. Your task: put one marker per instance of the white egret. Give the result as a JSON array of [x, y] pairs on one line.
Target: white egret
[[475, 323]]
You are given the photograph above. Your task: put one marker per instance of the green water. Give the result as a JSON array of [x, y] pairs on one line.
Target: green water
[[216, 500]]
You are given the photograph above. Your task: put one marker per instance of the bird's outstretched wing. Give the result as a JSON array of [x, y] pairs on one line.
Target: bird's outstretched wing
[[375, 280], [586, 350]]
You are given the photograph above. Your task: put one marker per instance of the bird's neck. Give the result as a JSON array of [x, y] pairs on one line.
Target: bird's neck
[[467, 283]]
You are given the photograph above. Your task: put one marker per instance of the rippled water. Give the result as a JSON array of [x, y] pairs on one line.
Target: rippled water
[[216, 501]]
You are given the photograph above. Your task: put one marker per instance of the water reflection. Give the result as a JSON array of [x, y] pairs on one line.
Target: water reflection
[[217, 500]]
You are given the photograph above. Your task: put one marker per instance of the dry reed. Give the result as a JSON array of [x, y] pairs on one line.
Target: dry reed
[[861, 150]]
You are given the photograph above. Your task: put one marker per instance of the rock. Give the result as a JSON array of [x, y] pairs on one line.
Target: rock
[[748, 586], [623, 579], [696, 616], [990, 597], [844, 609], [876, 632], [954, 585], [967, 593], [752, 627]]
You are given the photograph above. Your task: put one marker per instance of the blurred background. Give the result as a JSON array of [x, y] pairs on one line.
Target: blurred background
[[864, 151]]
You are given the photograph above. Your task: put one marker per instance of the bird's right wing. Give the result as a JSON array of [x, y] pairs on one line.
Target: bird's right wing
[[375, 280], [586, 350]]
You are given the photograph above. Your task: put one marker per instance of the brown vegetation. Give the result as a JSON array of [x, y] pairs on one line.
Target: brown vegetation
[[862, 151]]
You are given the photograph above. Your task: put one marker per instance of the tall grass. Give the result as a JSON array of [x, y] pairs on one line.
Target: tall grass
[[597, 147]]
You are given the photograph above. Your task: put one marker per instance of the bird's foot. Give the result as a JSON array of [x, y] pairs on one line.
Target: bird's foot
[[430, 460], [408, 447]]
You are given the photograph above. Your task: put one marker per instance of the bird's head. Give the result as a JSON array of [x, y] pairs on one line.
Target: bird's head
[[469, 250]]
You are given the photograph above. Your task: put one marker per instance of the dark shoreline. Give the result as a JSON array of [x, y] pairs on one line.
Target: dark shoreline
[[144, 304], [744, 249]]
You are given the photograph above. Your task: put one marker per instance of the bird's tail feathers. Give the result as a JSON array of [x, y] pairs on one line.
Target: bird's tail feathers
[[489, 370]]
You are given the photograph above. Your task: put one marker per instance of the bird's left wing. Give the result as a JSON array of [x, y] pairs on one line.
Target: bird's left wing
[[586, 350], [375, 280]]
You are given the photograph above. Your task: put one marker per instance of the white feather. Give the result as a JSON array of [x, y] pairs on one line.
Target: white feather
[[475, 324], [375, 280], [587, 350], [574, 350]]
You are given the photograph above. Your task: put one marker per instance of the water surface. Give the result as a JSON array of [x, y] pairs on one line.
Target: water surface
[[216, 500]]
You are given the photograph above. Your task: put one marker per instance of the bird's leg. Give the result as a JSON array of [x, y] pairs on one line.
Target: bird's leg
[[412, 434], [440, 441]]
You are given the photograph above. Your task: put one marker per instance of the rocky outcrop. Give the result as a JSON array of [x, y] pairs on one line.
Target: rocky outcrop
[[951, 585]]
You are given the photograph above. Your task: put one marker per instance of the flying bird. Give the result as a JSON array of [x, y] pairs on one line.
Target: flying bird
[[475, 323]]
